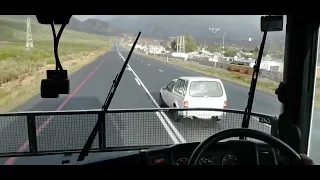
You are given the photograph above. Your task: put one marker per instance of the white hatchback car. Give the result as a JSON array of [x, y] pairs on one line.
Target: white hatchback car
[[195, 92]]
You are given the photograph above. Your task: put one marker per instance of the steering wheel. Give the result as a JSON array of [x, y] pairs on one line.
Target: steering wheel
[[244, 132]]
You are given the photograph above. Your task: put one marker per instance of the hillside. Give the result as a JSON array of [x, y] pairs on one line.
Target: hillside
[[13, 29], [238, 28], [22, 71], [94, 26]]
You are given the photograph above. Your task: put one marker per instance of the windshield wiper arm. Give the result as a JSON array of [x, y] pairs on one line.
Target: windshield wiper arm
[[86, 148], [256, 67]]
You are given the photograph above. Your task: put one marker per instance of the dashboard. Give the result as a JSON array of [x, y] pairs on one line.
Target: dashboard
[[225, 153]]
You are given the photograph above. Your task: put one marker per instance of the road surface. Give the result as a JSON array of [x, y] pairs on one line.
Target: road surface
[[139, 88]]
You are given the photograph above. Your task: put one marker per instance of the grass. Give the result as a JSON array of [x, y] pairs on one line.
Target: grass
[[23, 70]]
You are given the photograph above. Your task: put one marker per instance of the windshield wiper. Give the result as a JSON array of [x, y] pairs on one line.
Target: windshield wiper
[[268, 23], [86, 148], [256, 68]]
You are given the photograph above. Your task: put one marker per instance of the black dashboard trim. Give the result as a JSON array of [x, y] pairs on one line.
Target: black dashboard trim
[[146, 156]]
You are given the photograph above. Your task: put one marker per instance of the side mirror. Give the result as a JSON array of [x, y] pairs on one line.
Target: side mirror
[[271, 23]]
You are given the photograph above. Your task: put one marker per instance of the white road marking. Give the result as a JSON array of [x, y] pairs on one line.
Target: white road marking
[[137, 81], [166, 119], [163, 114], [160, 70]]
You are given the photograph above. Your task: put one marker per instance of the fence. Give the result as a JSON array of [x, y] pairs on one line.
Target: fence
[[34, 133]]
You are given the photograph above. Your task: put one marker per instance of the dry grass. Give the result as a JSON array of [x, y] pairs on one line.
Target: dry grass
[[16, 92], [22, 71]]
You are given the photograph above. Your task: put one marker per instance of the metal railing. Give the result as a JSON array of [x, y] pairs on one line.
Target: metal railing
[[37, 133]]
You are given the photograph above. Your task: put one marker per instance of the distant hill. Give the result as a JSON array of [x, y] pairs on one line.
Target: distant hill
[[13, 29], [91, 26], [238, 28], [94, 26]]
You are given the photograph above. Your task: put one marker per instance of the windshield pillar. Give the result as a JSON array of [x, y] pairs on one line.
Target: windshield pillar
[[299, 73]]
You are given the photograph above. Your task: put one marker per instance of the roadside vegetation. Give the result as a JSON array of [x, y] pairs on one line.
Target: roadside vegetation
[[240, 78], [22, 70], [263, 84]]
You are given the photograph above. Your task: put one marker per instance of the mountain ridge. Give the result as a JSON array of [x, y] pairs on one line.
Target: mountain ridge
[[237, 29]]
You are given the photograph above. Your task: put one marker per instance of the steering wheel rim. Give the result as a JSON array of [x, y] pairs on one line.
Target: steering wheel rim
[[244, 132]]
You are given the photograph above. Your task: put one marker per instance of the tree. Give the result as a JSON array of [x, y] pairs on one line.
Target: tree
[[190, 44], [213, 48], [165, 45], [230, 53]]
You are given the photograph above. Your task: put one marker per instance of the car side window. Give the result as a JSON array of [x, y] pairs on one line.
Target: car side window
[[181, 88], [184, 90], [170, 86], [177, 86]]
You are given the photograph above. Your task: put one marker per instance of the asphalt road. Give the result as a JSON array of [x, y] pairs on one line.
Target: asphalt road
[[139, 88]]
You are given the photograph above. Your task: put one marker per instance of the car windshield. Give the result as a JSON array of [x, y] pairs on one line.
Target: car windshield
[[171, 52], [205, 88]]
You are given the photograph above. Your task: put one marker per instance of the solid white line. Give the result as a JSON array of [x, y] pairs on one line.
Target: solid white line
[[160, 70], [162, 113], [137, 81], [171, 134]]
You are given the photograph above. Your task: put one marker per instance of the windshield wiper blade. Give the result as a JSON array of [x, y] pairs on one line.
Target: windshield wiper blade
[[256, 67], [86, 148]]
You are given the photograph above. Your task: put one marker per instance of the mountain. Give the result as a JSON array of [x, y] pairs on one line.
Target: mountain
[[237, 29], [94, 26]]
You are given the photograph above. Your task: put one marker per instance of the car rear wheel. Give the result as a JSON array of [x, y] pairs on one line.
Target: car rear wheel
[[176, 117], [161, 102]]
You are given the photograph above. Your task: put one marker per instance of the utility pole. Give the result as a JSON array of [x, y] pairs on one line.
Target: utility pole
[[250, 39], [224, 33], [29, 41], [214, 31], [180, 44], [183, 45]]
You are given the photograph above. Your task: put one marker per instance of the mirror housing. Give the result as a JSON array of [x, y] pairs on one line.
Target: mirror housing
[[271, 23]]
